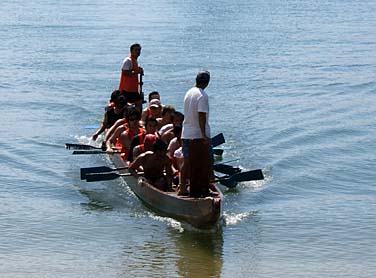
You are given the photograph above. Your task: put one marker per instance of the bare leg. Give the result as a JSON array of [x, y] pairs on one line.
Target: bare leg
[[183, 176]]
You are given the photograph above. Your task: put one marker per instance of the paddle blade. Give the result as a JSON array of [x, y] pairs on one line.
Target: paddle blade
[[217, 140], [230, 183], [226, 169], [92, 177], [218, 151], [248, 175], [93, 170], [80, 147], [91, 152]]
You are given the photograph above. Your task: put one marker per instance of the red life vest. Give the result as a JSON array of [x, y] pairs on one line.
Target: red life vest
[[124, 150], [149, 113], [129, 83]]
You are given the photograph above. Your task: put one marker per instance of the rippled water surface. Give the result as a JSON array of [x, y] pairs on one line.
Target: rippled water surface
[[293, 90]]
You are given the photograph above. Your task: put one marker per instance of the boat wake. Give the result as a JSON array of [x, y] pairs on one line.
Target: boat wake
[[236, 218], [174, 224], [83, 139]]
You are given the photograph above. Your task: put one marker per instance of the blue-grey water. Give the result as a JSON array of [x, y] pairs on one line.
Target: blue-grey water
[[293, 90]]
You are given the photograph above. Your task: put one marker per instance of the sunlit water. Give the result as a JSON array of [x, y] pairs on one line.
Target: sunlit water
[[293, 90]]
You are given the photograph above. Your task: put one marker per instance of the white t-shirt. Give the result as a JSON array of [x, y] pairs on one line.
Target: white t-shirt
[[195, 100], [173, 146], [127, 64]]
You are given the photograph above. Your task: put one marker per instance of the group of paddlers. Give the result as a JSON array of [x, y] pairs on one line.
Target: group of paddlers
[[171, 148]]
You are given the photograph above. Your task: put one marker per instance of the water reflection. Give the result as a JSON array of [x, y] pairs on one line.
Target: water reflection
[[200, 254], [160, 251]]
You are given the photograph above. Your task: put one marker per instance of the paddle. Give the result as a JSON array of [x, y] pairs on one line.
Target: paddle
[[231, 181], [81, 147], [217, 140], [100, 169], [107, 176], [218, 151], [141, 92], [92, 152], [91, 177], [226, 169]]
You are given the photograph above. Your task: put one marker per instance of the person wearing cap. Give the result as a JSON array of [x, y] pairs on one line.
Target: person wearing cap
[[152, 95], [196, 139], [154, 110], [129, 80]]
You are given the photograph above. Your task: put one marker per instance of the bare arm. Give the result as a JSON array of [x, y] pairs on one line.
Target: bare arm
[[136, 164], [101, 128], [113, 128], [113, 138]]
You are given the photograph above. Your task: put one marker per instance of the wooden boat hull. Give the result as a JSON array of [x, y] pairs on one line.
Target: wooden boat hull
[[199, 212]]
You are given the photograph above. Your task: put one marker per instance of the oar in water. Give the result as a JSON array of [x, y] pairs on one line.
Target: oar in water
[[218, 151], [99, 169], [81, 147], [106, 176], [226, 169], [92, 152], [231, 181], [217, 140]]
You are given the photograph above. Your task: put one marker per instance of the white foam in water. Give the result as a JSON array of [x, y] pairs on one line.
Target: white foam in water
[[169, 221], [86, 139], [233, 219], [83, 139]]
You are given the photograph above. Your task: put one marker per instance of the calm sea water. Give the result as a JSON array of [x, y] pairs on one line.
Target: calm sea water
[[293, 89]]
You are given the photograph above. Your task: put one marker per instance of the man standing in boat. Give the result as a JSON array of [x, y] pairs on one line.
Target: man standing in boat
[[196, 139], [130, 84]]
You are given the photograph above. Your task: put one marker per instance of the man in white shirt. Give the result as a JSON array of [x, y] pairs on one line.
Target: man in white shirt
[[196, 139]]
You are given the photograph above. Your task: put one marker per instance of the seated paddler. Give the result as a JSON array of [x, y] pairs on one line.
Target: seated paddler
[[156, 166]]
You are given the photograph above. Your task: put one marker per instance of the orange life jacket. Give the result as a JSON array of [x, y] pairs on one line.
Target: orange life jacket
[[124, 150], [118, 143], [149, 112], [129, 83]]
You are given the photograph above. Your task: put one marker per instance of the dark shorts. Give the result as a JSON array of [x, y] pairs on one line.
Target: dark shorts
[[185, 149], [131, 97]]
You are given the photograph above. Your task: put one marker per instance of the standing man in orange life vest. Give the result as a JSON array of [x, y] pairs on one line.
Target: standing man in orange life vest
[[129, 81]]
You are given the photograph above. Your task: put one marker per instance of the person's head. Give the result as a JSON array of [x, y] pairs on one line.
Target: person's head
[[167, 111], [120, 102], [154, 95], [159, 147], [177, 118], [202, 79], [135, 50], [115, 95], [155, 107], [151, 125], [149, 142], [133, 116]]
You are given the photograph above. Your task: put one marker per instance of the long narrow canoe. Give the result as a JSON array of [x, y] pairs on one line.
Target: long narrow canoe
[[199, 212]]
